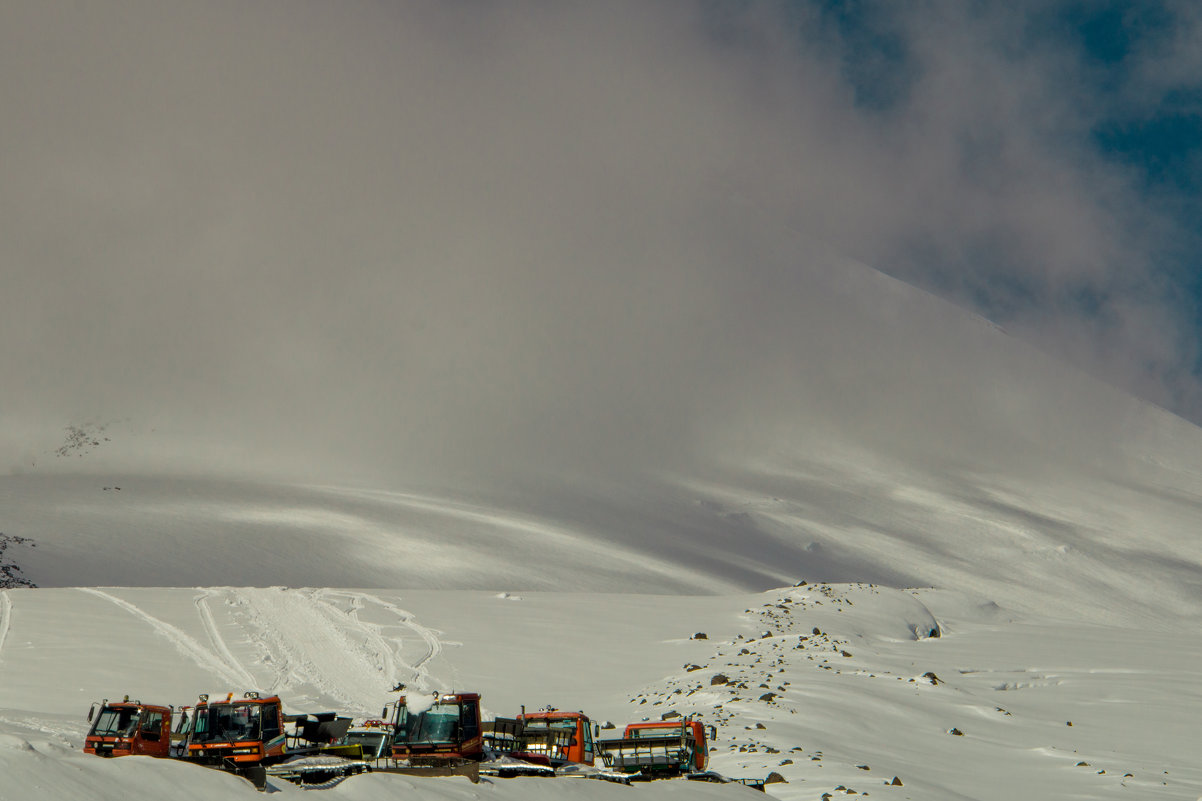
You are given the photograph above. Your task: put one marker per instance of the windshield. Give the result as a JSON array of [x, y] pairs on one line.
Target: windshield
[[658, 731], [438, 724], [372, 741], [227, 723], [116, 722], [565, 724]]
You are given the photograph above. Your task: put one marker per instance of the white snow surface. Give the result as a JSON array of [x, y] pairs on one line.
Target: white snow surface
[[1047, 708]]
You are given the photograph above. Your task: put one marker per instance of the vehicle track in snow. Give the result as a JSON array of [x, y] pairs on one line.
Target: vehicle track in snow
[[217, 641], [183, 642], [6, 616]]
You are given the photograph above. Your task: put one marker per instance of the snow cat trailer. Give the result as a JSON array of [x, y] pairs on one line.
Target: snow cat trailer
[[660, 749], [129, 728], [252, 737], [438, 735]]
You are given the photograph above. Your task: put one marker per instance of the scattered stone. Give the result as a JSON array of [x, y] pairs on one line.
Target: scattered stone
[[1068, 723], [863, 767], [790, 762], [760, 726], [931, 677], [1083, 764], [691, 668], [775, 778], [719, 678], [700, 636], [896, 782], [769, 697], [669, 715], [817, 632], [956, 732], [845, 653]]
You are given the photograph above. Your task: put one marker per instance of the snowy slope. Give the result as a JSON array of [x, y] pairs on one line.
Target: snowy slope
[[832, 686], [874, 433]]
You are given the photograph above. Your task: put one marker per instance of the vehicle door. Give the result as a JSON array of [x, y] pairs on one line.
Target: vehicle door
[[149, 740]]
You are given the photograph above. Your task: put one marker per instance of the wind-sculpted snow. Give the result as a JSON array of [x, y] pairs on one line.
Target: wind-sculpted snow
[[1114, 547]]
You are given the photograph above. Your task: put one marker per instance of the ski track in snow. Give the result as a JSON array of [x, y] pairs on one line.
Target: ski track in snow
[[313, 645], [218, 642], [182, 641], [312, 642], [372, 632], [6, 616], [421, 676]]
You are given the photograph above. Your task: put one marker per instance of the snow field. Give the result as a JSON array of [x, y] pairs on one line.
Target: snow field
[[838, 688]]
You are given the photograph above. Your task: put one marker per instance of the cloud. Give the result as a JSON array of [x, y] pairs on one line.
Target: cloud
[[440, 242]]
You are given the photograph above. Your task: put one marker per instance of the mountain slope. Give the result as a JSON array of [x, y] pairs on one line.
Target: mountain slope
[[865, 432]]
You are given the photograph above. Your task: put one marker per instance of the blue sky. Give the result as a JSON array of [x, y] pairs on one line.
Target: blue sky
[[1127, 76]]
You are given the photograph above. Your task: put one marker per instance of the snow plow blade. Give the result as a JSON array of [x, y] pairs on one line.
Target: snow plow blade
[[467, 767], [508, 767], [317, 771]]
